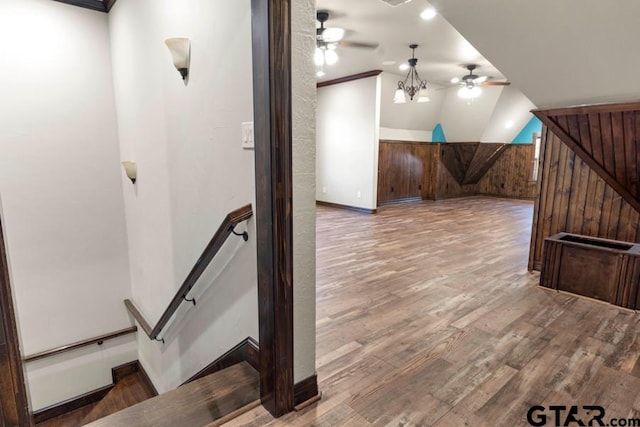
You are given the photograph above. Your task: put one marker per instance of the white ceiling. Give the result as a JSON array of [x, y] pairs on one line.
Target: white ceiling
[[442, 51], [557, 52]]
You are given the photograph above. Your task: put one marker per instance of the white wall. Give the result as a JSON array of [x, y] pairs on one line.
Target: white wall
[[347, 134], [557, 52], [405, 135], [60, 178], [464, 121], [511, 113], [303, 18], [192, 172], [410, 115]]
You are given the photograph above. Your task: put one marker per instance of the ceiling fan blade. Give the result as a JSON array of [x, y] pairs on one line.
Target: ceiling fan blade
[[490, 83], [358, 44]]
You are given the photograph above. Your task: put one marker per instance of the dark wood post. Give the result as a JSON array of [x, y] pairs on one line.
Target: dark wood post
[[271, 27]]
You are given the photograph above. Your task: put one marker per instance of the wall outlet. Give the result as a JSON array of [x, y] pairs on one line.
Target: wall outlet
[[324, 190], [247, 135], [359, 194]]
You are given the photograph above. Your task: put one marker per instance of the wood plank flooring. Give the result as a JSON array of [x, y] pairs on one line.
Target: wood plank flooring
[[198, 403], [128, 391], [427, 316]]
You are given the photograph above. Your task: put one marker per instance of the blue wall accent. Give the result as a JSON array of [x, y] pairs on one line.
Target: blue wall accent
[[437, 135], [524, 137]]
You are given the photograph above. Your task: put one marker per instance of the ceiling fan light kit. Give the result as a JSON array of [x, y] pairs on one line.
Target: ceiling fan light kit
[[327, 40], [471, 83], [412, 85]]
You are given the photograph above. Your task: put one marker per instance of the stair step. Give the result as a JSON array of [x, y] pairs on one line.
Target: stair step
[[195, 404]]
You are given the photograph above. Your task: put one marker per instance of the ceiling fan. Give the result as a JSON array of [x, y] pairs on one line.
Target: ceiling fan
[[471, 83], [471, 80], [328, 39]]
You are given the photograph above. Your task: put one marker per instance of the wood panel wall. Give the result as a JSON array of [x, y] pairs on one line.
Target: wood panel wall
[[607, 138], [575, 199], [511, 175], [447, 185], [406, 170], [409, 170]]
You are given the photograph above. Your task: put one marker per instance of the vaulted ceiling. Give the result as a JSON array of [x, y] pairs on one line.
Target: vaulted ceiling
[[557, 52], [441, 53]]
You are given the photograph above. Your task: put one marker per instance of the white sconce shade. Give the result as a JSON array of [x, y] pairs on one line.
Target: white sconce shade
[[423, 95], [131, 169], [399, 97], [180, 49]]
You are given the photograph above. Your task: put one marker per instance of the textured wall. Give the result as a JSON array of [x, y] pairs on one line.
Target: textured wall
[[304, 197]]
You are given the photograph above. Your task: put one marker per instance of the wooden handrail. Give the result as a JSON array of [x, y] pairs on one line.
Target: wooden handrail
[[84, 343], [226, 228]]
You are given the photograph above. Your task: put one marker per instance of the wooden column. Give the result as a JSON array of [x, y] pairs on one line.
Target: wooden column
[[14, 405], [271, 26]]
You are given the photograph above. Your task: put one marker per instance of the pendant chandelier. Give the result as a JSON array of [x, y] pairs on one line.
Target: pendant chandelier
[[412, 85]]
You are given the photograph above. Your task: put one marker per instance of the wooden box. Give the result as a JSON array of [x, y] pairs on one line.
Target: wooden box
[[607, 270]]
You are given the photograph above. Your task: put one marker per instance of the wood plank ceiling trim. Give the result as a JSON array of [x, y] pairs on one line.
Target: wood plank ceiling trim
[[350, 78], [607, 138]]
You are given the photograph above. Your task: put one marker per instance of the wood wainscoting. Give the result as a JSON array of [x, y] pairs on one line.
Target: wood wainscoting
[[511, 175], [406, 170], [409, 171]]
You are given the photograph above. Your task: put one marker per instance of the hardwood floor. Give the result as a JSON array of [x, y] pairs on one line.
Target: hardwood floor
[[205, 401], [130, 390], [427, 316]]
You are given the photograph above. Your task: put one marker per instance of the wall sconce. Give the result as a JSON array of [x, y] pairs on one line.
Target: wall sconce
[[131, 169], [180, 49]]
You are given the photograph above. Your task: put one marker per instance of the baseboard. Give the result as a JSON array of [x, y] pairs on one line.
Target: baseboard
[[71, 404], [407, 200], [93, 396], [245, 351], [347, 207], [454, 196], [502, 196], [306, 392], [147, 380]]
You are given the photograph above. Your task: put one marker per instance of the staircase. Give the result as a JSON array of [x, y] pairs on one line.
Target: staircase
[[208, 401]]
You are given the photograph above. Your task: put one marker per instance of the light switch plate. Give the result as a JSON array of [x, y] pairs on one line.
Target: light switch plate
[[247, 135]]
